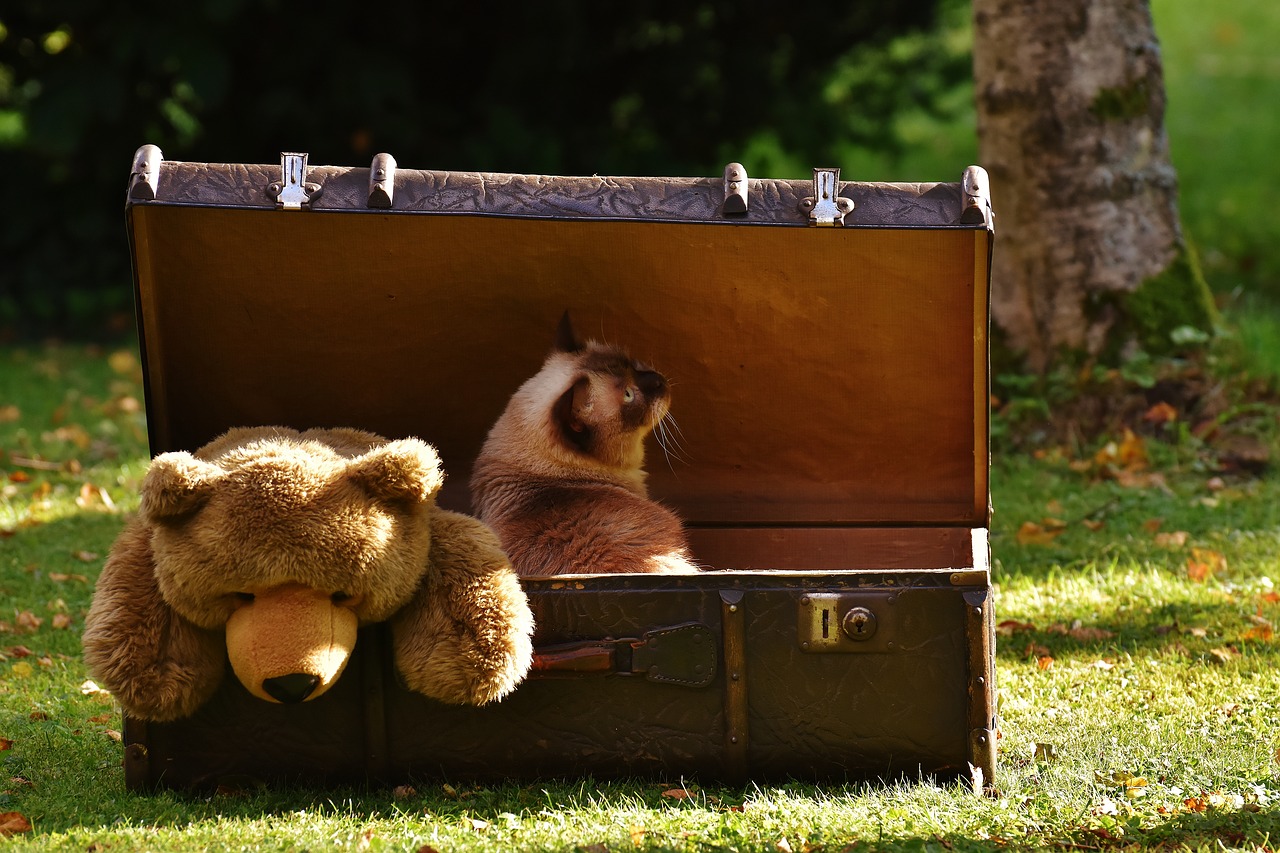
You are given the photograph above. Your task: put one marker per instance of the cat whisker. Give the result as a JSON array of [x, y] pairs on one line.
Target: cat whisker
[[667, 432]]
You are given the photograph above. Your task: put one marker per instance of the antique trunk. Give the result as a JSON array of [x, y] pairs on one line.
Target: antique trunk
[[827, 345]]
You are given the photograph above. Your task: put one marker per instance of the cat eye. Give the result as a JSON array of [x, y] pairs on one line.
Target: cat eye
[[628, 395], [245, 597]]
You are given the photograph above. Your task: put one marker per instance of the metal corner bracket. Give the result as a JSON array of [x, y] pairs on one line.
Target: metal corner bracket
[[735, 190], [382, 182], [144, 182], [977, 198]]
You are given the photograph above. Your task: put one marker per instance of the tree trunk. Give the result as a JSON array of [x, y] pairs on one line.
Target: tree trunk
[[1090, 254]]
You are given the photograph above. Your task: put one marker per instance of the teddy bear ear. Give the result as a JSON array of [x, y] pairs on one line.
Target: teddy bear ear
[[177, 484], [404, 470]]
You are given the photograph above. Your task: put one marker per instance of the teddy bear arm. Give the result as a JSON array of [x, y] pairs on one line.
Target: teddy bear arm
[[465, 636], [158, 665]]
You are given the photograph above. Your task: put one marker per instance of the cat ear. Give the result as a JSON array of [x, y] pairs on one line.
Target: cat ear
[[565, 414], [567, 339]]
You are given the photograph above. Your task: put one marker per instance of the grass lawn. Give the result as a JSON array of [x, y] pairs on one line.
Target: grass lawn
[[1137, 673]]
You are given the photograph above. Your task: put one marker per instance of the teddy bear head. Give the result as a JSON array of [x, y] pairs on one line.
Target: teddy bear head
[[291, 544]]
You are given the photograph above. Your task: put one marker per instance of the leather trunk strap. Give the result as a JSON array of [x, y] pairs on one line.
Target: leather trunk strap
[[680, 654]]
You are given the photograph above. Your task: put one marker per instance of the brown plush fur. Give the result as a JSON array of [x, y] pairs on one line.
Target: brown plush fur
[[279, 543], [561, 476]]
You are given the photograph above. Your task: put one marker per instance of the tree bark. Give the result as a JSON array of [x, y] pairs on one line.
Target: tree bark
[[1070, 100]]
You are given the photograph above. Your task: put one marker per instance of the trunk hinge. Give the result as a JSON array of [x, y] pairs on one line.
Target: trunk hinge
[[825, 206], [292, 191]]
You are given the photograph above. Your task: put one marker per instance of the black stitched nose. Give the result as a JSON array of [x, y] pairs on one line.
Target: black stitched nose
[[292, 688], [650, 382]]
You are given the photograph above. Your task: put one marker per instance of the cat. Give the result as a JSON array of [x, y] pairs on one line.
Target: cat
[[561, 476]]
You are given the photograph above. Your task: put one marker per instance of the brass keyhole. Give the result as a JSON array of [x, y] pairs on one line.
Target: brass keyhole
[[859, 623]]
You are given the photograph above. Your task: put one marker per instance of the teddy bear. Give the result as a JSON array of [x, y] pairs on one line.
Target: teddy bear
[[268, 548]]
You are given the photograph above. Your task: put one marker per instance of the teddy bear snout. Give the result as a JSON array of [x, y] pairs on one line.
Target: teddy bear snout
[[291, 689], [290, 643]]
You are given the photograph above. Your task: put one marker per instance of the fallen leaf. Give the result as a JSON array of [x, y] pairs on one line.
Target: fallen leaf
[[21, 669], [88, 688], [86, 556], [1044, 662], [1009, 627], [1139, 479], [28, 621], [1036, 650], [1223, 655], [1129, 455], [92, 496], [449, 791], [61, 621], [1045, 752], [1204, 563], [477, 824], [1089, 634], [676, 794], [38, 716], [1271, 597], [977, 780], [1032, 533], [1215, 484], [63, 577], [114, 735], [122, 362], [1151, 525], [1173, 540], [782, 845], [1103, 665], [10, 414], [1093, 525], [12, 823], [1263, 633], [637, 835], [1160, 413], [101, 718], [5, 744], [19, 477], [19, 651], [403, 792]]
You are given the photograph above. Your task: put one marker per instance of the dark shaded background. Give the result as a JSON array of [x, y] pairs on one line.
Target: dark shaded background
[[556, 87]]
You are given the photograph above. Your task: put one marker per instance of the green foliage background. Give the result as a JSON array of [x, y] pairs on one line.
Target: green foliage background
[[556, 87]]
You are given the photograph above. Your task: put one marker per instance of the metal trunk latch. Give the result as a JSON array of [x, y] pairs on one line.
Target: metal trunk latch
[[293, 191], [825, 206], [843, 622]]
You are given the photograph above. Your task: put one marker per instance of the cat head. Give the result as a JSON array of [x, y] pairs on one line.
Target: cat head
[[609, 402]]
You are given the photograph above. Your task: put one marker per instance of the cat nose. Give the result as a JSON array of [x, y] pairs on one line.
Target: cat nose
[[650, 382], [291, 689]]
